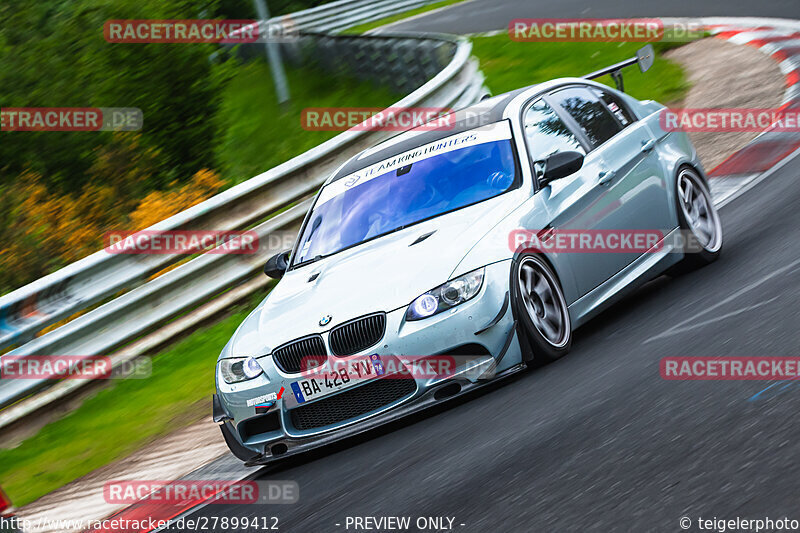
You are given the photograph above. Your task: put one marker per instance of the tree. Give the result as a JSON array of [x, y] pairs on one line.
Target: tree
[[53, 54]]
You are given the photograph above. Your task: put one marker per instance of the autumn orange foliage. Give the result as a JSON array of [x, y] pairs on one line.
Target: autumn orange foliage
[[159, 205], [41, 231]]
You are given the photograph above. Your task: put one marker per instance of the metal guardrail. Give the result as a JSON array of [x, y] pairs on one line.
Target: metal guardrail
[[147, 306]]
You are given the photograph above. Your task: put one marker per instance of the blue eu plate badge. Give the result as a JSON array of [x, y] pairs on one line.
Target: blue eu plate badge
[[297, 393]]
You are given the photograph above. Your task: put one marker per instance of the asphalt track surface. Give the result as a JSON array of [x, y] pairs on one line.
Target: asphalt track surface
[[487, 15], [598, 440]]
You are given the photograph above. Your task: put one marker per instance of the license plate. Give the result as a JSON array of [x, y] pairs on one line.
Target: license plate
[[344, 375]]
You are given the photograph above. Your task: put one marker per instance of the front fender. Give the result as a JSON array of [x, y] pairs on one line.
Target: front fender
[[501, 243]]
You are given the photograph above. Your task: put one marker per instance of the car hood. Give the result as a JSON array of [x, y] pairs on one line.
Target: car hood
[[381, 275]]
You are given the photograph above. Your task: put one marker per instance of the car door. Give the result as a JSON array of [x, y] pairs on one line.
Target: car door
[[622, 184], [546, 133]]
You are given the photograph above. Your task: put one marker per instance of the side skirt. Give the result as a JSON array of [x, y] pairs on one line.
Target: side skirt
[[649, 265]]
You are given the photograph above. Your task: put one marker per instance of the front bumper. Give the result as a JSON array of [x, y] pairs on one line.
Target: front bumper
[[258, 437]]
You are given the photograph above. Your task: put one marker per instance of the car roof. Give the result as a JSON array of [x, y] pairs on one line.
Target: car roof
[[484, 112]]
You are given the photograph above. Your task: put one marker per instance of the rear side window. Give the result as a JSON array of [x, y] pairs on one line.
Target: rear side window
[[616, 106], [589, 112], [546, 133]]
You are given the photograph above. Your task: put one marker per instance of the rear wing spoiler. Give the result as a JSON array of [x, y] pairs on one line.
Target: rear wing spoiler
[[644, 58]]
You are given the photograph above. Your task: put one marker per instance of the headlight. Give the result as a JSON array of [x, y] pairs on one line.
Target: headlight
[[443, 297], [241, 369]]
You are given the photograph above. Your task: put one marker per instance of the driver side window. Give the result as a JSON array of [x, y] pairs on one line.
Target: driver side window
[[546, 133]]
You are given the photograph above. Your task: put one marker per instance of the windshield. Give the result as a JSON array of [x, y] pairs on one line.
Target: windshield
[[423, 183]]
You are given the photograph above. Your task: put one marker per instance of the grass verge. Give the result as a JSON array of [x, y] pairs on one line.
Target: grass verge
[[509, 65], [258, 134]]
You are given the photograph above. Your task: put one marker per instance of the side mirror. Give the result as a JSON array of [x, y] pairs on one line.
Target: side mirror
[[277, 264], [560, 165]]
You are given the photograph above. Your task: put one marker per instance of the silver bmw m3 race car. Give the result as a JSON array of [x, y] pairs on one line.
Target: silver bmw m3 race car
[[445, 258]]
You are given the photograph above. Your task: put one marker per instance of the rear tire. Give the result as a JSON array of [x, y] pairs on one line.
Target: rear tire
[[698, 220], [540, 309]]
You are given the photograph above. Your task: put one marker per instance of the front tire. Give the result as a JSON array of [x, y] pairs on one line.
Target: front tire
[[540, 309]]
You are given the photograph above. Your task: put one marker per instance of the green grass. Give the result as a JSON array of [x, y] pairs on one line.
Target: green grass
[[257, 134], [363, 28], [510, 65], [122, 418]]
